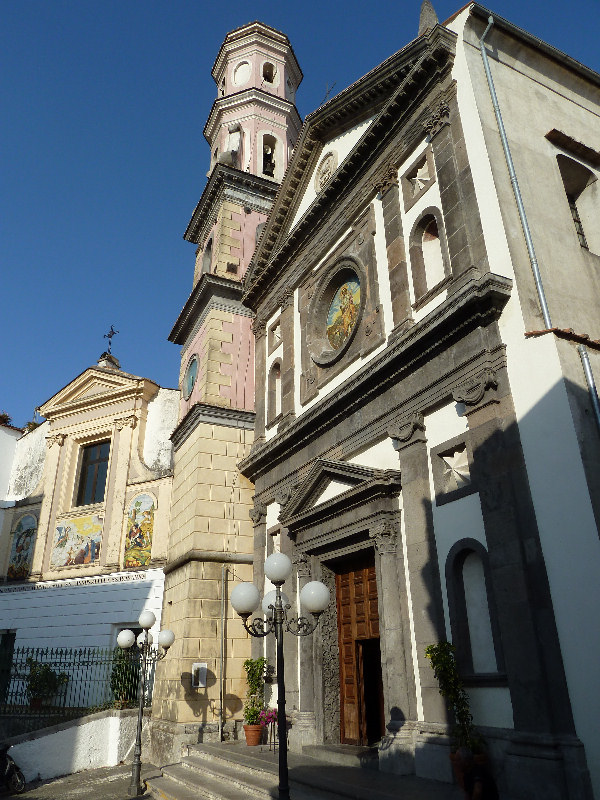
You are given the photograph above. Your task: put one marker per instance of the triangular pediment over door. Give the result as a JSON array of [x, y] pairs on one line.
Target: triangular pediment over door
[[337, 506]]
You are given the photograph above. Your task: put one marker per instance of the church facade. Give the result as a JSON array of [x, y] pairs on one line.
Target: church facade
[[427, 421]]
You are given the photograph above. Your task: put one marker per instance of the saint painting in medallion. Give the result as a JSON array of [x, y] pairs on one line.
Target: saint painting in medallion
[[343, 313]]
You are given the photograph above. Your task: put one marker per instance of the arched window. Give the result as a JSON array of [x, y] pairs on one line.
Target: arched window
[[268, 155], [473, 619], [583, 198], [428, 254], [274, 393], [207, 256], [268, 72]]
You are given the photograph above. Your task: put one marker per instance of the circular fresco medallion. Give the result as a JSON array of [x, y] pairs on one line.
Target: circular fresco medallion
[[343, 313]]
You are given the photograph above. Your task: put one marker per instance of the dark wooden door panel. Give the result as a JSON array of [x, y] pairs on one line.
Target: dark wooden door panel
[[358, 620]]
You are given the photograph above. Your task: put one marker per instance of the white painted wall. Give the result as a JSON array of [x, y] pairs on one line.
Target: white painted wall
[[342, 145], [28, 463], [8, 444], [99, 740], [163, 413], [80, 612]]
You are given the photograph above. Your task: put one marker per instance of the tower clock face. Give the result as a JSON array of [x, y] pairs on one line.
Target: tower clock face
[[189, 379]]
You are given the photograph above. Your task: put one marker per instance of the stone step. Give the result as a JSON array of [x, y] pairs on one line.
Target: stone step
[[230, 771], [344, 755]]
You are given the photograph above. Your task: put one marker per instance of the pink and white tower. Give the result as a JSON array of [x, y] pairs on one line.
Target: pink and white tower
[[252, 128]]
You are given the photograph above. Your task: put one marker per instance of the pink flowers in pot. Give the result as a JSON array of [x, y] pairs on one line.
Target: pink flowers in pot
[[267, 716]]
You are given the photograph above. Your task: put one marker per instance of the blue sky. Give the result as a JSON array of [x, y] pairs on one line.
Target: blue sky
[[103, 159]]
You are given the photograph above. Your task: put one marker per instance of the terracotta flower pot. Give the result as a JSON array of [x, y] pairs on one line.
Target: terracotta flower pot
[[253, 734]]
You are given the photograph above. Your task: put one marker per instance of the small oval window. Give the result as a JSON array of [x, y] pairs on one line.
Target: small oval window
[[191, 374], [343, 312]]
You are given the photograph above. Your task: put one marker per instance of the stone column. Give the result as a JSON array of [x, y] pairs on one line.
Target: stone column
[[421, 555], [466, 243], [258, 515], [396, 251], [116, 487], [260, 379], [303, 719], [288, 412], [399, 693]]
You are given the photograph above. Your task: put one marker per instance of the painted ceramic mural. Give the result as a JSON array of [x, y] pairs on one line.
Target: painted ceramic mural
[[343, 313], [77, 541], [21, 554], [140, 527]]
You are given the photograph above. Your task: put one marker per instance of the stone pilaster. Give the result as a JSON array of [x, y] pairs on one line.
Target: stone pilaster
[[288, 412], [396, 251], [422, 562], [260, 378], [44, 538], [466, 244]]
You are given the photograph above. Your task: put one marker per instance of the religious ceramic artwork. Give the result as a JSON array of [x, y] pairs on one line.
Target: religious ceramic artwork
[[140, 526], [77, 541], [343, 313], [21, 554]]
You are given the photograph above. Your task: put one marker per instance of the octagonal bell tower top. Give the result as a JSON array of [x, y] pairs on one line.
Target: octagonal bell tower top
[[253, 124]]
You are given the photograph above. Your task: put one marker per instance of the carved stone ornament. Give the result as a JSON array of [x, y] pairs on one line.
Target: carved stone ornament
[[259, 327], [473, 391], [57, 438], [126, 422], [258, 514], [302, 564], [285, 298], [283, 497], [385, 536], [439, 118], [325, 169], [387, 178], [406, 431]]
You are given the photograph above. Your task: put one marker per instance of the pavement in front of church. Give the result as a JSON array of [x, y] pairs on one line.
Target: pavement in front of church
[[106, 783]]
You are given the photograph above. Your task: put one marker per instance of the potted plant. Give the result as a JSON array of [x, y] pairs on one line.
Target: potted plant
[[43, 682], [464, 733], [124, 678], [255, 699]]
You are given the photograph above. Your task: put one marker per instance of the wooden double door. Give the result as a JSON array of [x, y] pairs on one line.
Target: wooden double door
[[362, 716]]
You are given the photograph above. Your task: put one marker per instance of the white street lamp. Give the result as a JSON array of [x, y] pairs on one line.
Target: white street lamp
[[125, 640], [314, 599]]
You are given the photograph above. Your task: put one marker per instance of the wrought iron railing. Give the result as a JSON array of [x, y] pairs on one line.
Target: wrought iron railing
[[45, 686]]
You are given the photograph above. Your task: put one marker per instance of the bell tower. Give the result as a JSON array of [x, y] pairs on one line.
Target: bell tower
[[251, 129]]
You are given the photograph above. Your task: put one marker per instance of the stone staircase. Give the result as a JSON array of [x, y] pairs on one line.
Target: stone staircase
[[231, 771]]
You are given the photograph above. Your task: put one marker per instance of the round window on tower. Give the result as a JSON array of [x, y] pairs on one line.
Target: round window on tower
[[191, 373]]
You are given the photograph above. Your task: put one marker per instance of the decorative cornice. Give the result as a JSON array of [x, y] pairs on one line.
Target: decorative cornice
[[478, 302], [439, 119], [251, 98], [210, 290], [57, 438], [212, 415], [218, 556], [473, 391], [122, 577], [258, 193]]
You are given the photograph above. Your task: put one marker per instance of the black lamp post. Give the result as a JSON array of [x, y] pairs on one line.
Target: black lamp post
[[125, 640], [245, 599]]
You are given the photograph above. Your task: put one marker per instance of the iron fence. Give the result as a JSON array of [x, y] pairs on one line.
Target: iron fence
[[44, 686]]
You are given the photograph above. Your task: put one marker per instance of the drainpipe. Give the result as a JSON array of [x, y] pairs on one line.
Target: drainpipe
[[585, 360], [513, 179], [221, 665]]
